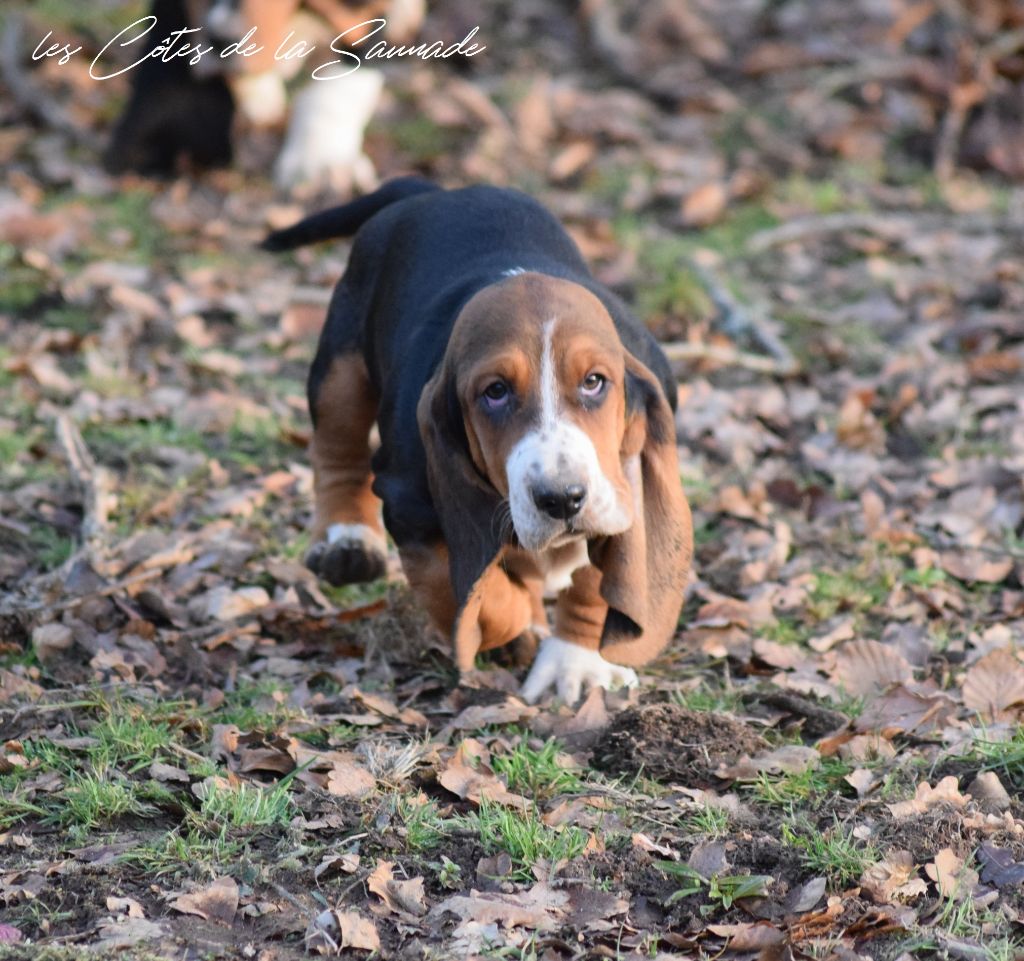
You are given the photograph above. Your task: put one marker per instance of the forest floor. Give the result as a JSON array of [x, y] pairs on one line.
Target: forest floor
[[204, 753]]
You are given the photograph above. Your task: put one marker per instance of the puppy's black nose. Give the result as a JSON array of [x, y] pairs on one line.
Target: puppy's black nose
[[561, 504]]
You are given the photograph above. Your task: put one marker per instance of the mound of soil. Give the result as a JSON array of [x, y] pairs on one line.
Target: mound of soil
[[672, 744]]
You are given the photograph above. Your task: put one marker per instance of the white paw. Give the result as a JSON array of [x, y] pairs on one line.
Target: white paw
[[571, 669], [354, 534], [324, 144]]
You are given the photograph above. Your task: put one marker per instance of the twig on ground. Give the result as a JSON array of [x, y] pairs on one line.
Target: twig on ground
[[892, 226], [944, 543], [728, 356], [31, 99], [290, 898], [94, 483], [105, 591], [92, 480], [828, 84], [739, 321]]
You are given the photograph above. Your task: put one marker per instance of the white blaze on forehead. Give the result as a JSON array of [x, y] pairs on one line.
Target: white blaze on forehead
[[548, 381], [553, 455]]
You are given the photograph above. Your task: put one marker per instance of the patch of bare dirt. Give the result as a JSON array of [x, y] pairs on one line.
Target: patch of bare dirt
[[672, 744]]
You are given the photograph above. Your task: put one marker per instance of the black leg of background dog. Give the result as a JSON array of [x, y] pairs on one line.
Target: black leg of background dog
[[173, 116]]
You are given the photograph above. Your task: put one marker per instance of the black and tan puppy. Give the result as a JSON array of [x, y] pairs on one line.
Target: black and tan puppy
[[527, 442]]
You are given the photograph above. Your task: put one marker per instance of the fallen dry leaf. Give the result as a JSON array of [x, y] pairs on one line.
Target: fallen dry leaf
[[750, 936], [50, 640], [861, 780], [947, 791], [474, 782], [331, 864], [994, 686], [952, 878], [998, 867], [510, 711], [902, 711], [401, 897], [705, 205], [975, 567], [988, 790], [330, 932], [538, 909], [894, 879], [868, 667], [216, 902], [127, 906], [348, 779], [788, 759]]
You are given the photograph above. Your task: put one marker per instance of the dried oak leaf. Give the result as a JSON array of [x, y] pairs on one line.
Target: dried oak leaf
[[789, 759], [750, 936], [998, 866], [952, 878], [124, 933], [867, 667], [400, 897], [509, 711], [126, 906], [902, 711], [705, 205], [348, 779], [994, 686], [893, 879], [988, 790], [160, 771], [540, 909], [804, 898], [975, 566], [472, 782], [216, 902], [330, 932], [861, 780], [50, 640], [332, 864], [947, 791]]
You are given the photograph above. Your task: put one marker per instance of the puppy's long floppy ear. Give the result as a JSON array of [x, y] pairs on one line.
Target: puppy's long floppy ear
[[644, 570], [466, 503]]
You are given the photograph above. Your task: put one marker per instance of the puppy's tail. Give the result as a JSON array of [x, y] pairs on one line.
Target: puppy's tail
[[345, 220]]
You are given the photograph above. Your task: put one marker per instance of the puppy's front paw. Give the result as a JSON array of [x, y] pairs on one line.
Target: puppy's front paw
[[350, 554], [570, 669]]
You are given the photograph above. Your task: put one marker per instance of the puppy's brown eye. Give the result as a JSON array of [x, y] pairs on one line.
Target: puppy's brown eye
[[496, 394], [593, 384]]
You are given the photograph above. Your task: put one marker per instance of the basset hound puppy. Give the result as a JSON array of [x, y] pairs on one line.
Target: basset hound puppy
[[527, 440]]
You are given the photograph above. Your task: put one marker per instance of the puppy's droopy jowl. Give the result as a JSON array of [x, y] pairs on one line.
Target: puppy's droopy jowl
[[527, 445]]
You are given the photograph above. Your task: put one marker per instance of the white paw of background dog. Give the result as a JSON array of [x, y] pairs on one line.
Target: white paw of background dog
[[571, 669], [324, 144]]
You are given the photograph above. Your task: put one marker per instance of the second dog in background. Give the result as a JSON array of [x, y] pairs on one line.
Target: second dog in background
[[179, 116]]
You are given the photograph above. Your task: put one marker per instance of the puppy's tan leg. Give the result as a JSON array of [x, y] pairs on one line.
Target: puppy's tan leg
[[348, 539], [426, 569], [580, 610], [506, 609]]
